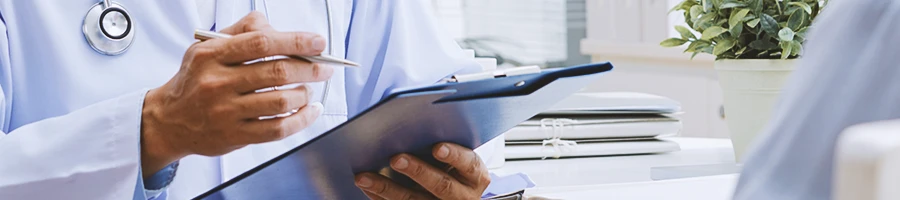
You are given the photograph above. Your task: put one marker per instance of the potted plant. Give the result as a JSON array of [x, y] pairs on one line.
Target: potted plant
[[756, 43]]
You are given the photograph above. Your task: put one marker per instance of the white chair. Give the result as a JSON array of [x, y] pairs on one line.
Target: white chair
[[867, 162]]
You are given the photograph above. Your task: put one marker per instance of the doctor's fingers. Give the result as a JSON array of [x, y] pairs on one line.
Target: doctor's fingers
[[260, 131], [253, 105], [466, 163], [254, 45], [436, 181], [379, 187], [255, 21], [278, 72]]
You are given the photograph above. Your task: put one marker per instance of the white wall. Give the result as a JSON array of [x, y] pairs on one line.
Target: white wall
[[449, 14], [627, 33]]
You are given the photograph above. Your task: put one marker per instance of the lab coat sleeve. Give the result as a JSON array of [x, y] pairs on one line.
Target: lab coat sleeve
[[91, 153], [398, 44]]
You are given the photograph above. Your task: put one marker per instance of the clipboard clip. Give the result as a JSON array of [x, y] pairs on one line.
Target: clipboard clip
[[460, 78]]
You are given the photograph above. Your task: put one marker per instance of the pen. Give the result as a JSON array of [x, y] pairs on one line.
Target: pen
[[204, 35]]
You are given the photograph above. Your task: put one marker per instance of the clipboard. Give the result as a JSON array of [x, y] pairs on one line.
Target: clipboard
[[468, 113]]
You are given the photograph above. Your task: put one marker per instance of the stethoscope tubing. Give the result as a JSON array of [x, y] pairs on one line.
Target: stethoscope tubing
[[105, 44], [331, 51]]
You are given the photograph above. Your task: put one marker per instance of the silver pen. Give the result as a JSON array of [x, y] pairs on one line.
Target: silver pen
[[203, 35]]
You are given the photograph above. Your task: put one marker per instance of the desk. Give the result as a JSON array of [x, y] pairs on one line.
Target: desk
[[718, 187], [598, 174]]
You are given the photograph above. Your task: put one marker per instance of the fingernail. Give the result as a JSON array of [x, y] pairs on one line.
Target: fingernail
[[443, 152], [365, 182], [401, 163], [318, 44], [318, 107]]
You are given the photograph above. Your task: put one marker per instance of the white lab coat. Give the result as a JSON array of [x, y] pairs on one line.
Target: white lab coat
[[72, 116], [849, 75]]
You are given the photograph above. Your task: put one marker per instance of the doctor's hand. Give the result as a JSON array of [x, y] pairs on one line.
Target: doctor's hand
[[210, 108], [467, 179]]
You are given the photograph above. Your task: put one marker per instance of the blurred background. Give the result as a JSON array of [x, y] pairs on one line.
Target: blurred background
[[556, 33]]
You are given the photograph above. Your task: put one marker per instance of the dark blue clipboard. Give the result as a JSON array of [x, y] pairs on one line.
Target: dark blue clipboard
[[412, 121]]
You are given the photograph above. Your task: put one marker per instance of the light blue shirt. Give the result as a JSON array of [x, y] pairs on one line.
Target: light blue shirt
[[72, 116], [155, 186], [849, 75]]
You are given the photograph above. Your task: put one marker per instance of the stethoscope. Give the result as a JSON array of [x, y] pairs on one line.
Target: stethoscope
[[109, 30], [253, 6]]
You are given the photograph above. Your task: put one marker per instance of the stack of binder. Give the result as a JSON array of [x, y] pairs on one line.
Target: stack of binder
[[598, 124]]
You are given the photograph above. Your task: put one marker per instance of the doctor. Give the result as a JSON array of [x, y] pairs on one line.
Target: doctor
[[135, 115]]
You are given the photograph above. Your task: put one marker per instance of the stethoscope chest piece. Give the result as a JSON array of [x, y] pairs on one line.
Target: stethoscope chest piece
[[108, 28]]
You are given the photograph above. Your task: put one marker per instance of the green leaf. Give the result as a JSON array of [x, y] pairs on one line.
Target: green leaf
[[721, 22], [796, 48], [763, 45], [694, 54], [769, 24], [678, 7], [712, 32], [753, 23], [685, 32], [791, 10], [717, 3], [707, 49], [817, 6], [786, 34], [707, 5], [684, 5], [688, 20], [802, 5], [779, 8], [733, 5], [802, 33], [756, 6], [723, 46], [749, 17], [736, 30], [741, 51], [726, 55], [785, 49], [704, 22], [688, 3], [797, 20], [672, 42], [697, 45], [696, 10], [701, 47], [738, 17]]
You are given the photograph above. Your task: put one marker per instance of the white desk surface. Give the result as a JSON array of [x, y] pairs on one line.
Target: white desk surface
[[700, 188], [587, 174]]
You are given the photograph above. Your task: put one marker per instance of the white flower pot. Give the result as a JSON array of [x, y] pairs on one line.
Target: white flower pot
[[750, 87]]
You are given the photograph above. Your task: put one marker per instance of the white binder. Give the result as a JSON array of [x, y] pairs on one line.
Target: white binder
[[598, 124], [614, 103], [520, 152], [597, 127]]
